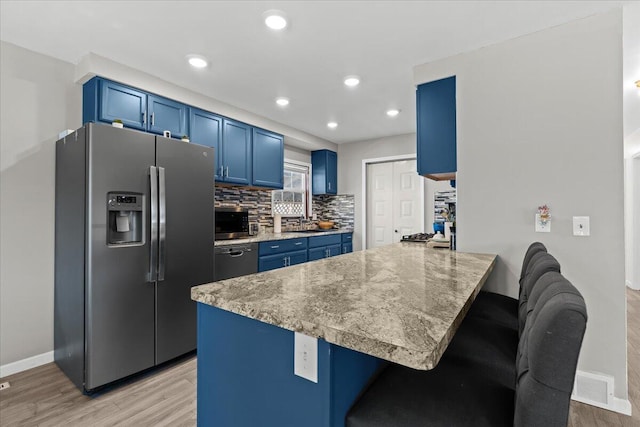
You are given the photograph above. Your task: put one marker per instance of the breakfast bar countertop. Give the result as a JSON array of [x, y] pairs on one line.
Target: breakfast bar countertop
[[402, 302], [266, 237]]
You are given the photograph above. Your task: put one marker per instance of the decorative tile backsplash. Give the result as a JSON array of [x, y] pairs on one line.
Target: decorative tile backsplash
[[340, 208]]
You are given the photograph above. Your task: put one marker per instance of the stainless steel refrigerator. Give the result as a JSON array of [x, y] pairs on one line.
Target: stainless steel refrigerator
[[134, 232]]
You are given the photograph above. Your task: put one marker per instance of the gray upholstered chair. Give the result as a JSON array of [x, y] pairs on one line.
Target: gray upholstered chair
[[460, 392], [493, 345], [502, 309]]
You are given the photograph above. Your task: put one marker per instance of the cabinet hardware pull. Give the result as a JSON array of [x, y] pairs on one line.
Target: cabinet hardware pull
[[144, 117], [153, 120], [275, 247], [298, 243], [227, 173]]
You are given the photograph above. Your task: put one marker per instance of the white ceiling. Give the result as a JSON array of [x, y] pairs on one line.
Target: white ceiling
[[250, 65]]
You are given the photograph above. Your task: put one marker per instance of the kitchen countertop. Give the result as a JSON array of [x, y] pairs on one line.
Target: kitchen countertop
[[402, 302], [266, 237]]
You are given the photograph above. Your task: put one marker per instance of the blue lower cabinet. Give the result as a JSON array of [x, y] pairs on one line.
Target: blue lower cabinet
[[272, 262], [347, 243], [331, 239], [246, 379], [298, 257], [317, 253], [281, 253]]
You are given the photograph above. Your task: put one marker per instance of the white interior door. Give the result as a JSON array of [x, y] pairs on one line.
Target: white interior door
[[379, 204], [408, 195], [395, 202]]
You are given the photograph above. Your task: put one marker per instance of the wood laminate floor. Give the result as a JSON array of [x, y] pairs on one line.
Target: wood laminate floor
[[43, 396]]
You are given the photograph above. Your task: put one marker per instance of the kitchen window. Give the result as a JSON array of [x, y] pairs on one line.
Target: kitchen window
[[294, 200]]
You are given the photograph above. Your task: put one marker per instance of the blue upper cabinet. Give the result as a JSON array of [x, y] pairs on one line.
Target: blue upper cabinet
[[206, 129], [165, 114], [236, 152], [436, 125], [268, 159], [244, 155], [117, 101], [324, 165]]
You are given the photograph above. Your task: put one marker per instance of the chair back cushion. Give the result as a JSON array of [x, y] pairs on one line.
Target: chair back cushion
[[548, 354], [541, 263], [533, 249]]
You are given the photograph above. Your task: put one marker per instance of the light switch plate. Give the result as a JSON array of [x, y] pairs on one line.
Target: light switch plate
[[305, 357], [581, 226]]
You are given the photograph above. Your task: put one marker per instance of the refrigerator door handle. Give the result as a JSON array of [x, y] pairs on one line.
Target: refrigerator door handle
[[153, 255], [162, 215]]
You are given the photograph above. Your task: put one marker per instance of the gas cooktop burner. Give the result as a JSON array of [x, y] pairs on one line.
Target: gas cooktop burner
[[418, 237]]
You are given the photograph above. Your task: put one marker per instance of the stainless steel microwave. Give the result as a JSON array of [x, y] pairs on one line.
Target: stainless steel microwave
[[231, 223]]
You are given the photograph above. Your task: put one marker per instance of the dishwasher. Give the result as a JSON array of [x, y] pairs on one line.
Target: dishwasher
[[235, 260]]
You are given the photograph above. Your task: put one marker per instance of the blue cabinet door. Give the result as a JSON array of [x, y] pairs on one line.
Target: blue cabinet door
[[332, 172], [317, 253], [206, 129], [236, 152], [271, 262], [334, 250], [325, 172], [122, 102], [347, 248], [318, 241], [436, 132], [297, 257], [347, 237], [280, 246], [268, 159], [165, 114]]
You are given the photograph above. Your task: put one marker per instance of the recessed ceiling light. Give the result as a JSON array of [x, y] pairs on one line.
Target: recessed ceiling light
[[275, 19], [393, 112], [197, 61], [352, 81], [332, 125], [283, 102]]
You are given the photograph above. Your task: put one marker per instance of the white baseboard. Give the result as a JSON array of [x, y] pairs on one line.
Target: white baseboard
[[621, 406], [632, 286], [24, 364], [597, 390]]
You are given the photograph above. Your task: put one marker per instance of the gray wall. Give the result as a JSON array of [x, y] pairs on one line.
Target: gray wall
[[540, 121], [39, 99], [350, 158]]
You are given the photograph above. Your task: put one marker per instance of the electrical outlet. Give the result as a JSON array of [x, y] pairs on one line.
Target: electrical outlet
[[5, 385], [305, 357]]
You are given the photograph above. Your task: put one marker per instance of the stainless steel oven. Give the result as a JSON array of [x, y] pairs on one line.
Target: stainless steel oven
[[231, 223]]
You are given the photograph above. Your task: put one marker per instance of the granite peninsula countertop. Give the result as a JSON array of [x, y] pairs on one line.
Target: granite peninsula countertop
[[266, 237], [402, 302]]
